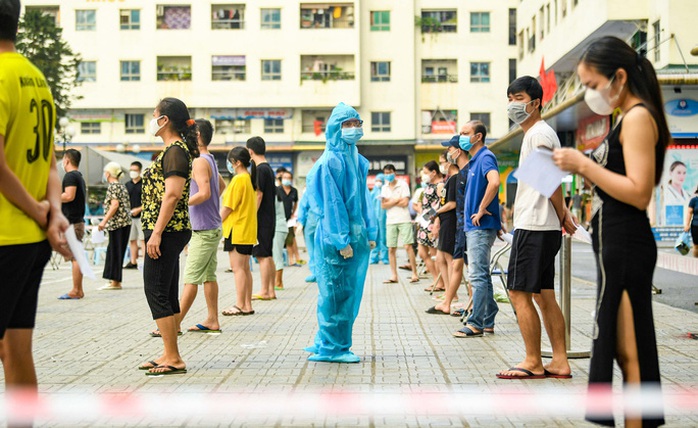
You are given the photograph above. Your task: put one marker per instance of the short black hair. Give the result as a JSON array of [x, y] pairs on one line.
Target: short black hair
[[479, 128], [280, 169], [389, 167], [138, 164], [9, 19], [205, 131], [258, 145], [73, 157], [529, 85]]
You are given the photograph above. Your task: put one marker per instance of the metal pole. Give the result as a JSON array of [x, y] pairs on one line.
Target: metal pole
[[565, 299]]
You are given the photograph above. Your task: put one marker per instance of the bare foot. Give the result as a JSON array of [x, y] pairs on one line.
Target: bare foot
[[560, 370]]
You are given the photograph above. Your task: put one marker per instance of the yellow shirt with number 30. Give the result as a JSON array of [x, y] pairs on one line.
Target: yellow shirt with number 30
[[27, 120]]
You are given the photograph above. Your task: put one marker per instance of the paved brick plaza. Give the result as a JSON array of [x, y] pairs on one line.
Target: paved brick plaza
[[95, 346]]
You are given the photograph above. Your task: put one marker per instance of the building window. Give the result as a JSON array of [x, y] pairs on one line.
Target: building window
[[521, 44], [327, 67], [90, 128], [575, 3], [480, 72], [547, 17], [271, 69], [135, 123], [380, 20], [313, 121], [228, 67], [380, 71], [327, 16], [85, 20], [227, 16], [380, 121], [130, 71], [130, 19], [224, 126], [512, 69], [563, 8], [274, 126], [479, 22], [439, 121], [87, 71], [541, 20], [656, 27], [439, 70], [174, 68], [512, 27], [439, 21], [271, 19], [173, 17], [482, 117]]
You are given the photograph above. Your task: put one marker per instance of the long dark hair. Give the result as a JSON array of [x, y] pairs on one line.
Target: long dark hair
[[185, 126], [607, 55], [241, 154]]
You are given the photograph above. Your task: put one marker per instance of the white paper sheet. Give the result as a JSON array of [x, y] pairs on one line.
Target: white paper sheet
[[98, 236], [79, 253], [508, 238], [540, 172], [291, 222], [581, 234]]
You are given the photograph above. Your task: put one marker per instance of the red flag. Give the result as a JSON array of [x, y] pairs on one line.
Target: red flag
[[548, 82], [317, 126]]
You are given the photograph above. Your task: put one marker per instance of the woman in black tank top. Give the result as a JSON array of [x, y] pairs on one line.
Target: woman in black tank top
[[624, 170]]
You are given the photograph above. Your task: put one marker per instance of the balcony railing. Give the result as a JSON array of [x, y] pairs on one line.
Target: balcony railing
[[440, 78], [570, 87], [327, 75]]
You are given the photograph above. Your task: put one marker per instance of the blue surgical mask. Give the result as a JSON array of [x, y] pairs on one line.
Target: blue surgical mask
[[464, 142], [389, 178], [231, 168], [378, 184], [286, 183], [352, 135]]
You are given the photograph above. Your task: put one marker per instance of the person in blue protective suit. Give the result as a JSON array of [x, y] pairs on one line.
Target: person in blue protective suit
[[308, 219], [345, 233], [380, 253]]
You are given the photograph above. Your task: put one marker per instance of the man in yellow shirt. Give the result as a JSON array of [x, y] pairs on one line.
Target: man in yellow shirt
[[30, 200]]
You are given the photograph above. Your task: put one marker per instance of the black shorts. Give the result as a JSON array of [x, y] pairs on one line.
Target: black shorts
[[694, 234], [532, 260], [245, 250], [265, 239], [447, 237], [460, 247], [22, 267]]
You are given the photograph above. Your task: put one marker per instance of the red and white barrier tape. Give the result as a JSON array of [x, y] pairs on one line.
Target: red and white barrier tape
[[209, 407]]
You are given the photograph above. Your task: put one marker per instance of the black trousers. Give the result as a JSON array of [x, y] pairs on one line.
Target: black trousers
[[161, 275], [113, 265]]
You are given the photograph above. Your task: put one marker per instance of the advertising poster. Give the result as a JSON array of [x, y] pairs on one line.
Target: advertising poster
[[677, 185]]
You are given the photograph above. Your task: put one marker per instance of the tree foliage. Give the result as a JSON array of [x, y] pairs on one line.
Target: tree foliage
[[41, 41]]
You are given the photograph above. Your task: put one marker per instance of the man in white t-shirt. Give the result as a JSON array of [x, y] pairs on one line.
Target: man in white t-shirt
[[537, 239], [399, 230]]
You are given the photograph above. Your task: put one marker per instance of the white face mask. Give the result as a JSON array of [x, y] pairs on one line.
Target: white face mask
[[153, 127], [443, 169], [426, 178], [516, 110], [599, 101], [134, 174]]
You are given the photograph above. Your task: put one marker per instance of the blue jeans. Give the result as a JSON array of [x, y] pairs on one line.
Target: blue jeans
[[479, 249]]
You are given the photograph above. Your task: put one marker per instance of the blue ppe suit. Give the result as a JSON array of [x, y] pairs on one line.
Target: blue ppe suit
[[308, 219], [380, 253], [337, 191]]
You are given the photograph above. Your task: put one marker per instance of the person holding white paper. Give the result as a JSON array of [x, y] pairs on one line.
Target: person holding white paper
[[537, 239]]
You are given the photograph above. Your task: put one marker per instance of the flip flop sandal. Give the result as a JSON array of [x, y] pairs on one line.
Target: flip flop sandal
[[153, 364], [528, 374], [556, 376], [390, 281], [466, 332], [171, 370], [435, 311], [156, 333], [200, 328]]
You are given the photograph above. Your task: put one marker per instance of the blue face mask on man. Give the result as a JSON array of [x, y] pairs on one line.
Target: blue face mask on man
[[352, 135], [464, 142], [389, 178]]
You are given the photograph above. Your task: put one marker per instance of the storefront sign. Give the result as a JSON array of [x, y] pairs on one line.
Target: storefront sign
[[244, 114], [592, 131], [378, 162], [443, 127], [278, 160], [681, 107]]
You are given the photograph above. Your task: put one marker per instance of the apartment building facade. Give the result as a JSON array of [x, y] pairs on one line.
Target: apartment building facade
[[415, 70]]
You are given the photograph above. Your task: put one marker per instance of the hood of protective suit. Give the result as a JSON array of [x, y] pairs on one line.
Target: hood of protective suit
[[333, 130]]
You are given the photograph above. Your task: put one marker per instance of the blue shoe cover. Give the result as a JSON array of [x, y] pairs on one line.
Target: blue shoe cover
[[347, 357], [310, 278], [312, 349]]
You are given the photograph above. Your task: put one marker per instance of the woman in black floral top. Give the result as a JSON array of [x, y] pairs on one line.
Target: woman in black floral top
[[166, 225], [117, 221]]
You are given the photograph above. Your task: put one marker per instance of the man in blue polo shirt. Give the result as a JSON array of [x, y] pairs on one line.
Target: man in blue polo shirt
[[482, 224]]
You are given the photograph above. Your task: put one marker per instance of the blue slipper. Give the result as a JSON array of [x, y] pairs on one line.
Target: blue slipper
[[467, 332], [200, 328], [66, 296]]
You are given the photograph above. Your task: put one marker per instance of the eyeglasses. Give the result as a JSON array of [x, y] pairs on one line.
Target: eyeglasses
[[354, 123]]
